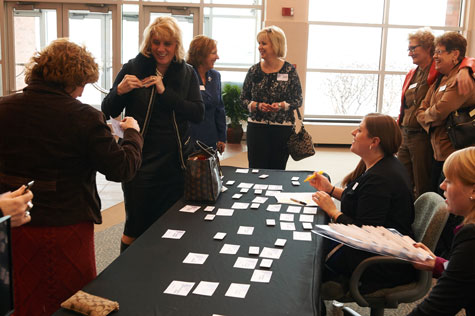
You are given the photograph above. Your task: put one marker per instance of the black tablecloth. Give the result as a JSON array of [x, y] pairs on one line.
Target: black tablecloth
[[138, 278]]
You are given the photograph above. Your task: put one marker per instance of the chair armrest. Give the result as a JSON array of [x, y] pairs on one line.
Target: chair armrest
[[356, 275]]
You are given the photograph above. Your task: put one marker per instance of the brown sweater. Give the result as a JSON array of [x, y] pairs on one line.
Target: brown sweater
[[54, 139]]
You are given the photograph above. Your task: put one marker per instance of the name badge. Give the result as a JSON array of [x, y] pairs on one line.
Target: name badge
[[355, 186], [412, 86], [442, 88], [202, 87], [282, 77]]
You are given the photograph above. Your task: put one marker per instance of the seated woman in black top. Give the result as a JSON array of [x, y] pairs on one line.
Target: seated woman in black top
[[378, 193]]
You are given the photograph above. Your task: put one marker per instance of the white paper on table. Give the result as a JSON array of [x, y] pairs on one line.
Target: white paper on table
[[262, 276], [266, 263], [173, 234], [271, 193], [280, 242], [255, 205], [285, 198], [242, 170], [223, 189], [310, 210], [306, 218], [260, 186], [271, 253], [179, 288], [116, 129], [240, 206], [293, 209], [258, 191], [209, 217], [273, 208], [295, 183], [245, 230], [190, 208], [304, 236], [225, 212], [255, 170], [229, 249], [195, 258], [275, 187], [206, 288], [253, 250], [230, 182], [237, 290], [270, 222], [260, 199], [307, 226], [263, 176], [209, 209], [245, 263], [287, 226], [245, 185], [295, 179], [237, 196], [286, 217], [219, 236], [244, 190]]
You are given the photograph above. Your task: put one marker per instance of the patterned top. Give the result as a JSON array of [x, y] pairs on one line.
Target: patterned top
[[269, 88]]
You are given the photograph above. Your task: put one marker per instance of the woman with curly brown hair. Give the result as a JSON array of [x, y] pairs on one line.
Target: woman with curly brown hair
[[60, 143]]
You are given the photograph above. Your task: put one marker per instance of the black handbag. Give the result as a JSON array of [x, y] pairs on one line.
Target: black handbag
[[460, 126], [300, 145], [203, 175]]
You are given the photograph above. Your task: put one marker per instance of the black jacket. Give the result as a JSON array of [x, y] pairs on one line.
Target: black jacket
[[182, 95], [455, 288]]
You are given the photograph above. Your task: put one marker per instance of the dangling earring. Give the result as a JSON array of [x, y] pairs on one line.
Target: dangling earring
[[471, 198], [370, 147]]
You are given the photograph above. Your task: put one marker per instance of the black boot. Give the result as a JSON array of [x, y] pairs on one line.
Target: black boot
[[123, 246]]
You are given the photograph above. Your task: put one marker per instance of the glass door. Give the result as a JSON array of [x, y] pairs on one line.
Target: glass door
[[33, 27], [91, 26]]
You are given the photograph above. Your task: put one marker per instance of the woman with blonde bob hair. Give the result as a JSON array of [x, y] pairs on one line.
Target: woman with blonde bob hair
[[202, 55], [162, 92], [61, 144], [454, 288], [271, 93]]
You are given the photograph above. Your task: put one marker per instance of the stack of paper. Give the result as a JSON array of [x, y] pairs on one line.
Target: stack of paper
[[378, 240]]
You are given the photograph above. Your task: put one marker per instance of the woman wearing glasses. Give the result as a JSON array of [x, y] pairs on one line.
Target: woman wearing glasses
[[442, 99], [415, 152], [271, 92]]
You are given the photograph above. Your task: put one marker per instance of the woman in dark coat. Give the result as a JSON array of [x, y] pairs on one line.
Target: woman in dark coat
[[162, 92]]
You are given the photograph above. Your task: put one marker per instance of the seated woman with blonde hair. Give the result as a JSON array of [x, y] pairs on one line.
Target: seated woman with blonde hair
[[454, 289]]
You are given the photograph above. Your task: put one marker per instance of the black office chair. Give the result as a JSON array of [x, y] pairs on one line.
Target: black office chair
[[430, 219]]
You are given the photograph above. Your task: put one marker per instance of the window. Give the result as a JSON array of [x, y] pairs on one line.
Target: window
[[357, 58]]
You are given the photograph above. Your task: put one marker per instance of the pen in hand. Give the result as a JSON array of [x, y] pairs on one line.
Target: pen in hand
[[310, 177]]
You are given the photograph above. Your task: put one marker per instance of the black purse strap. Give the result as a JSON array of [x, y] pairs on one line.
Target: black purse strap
[[210, 151]]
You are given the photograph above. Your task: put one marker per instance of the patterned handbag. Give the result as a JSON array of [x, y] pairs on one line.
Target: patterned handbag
[[203, 175], [300, 145], [88, 304]]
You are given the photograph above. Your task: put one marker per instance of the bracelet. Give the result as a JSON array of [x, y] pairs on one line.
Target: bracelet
[[257, 106], [331, 192]]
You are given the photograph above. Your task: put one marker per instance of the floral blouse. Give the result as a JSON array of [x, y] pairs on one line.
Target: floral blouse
[[280, 86]]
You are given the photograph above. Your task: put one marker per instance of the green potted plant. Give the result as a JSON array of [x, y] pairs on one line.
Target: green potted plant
[[235, 111]]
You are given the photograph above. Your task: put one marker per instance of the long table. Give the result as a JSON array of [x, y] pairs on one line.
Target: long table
[[138, 278]]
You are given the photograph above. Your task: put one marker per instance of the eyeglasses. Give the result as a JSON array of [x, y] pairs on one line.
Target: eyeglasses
[[440, 51], [412, 48]]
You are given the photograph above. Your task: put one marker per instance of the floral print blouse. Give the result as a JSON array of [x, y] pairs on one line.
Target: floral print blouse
[[280, 86]]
